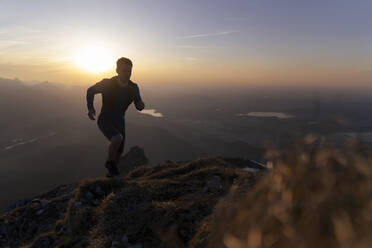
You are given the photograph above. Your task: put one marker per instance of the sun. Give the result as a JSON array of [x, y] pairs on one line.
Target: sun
[[95, 59]]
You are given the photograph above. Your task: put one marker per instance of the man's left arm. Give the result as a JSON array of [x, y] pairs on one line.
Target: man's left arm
[[137, 99]]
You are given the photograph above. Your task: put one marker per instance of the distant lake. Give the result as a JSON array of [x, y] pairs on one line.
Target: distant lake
[[151, 112], [279, 115], [20, 141]]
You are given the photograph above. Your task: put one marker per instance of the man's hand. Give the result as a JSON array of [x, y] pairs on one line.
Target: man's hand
[[91, 114], [140, 105]]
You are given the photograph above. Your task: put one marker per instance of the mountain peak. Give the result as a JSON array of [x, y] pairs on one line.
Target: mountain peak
[[148, 206]]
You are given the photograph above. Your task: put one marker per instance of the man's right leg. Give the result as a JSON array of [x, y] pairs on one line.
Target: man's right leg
[[107, 126], [119, 152], [114, 147]]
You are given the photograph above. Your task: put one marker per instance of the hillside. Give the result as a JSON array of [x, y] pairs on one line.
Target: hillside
[[151, 206], [310, 196]]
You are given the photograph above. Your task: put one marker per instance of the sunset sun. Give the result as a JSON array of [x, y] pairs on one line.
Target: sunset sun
[[95, 59]]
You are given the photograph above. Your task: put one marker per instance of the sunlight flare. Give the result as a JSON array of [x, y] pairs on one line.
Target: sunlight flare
[[95, 59]]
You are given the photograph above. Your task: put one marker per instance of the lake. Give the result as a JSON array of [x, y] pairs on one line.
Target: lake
[[279, 115]]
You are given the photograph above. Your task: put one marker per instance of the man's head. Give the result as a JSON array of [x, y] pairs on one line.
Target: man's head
[[124, 68]]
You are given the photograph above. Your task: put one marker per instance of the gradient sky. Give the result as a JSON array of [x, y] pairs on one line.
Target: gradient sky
[[193, 41]]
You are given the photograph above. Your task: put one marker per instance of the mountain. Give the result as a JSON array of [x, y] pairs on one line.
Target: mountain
[[147, 206], [308, 195]]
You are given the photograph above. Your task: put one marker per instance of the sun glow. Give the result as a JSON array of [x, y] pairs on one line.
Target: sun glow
[[95, 59]]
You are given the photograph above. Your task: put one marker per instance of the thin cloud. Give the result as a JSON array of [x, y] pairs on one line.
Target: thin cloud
[[236, 18], [192, 58], [200, 47], [12, 42], [18, 29], [208, 34], [190, 46], [26, 29]]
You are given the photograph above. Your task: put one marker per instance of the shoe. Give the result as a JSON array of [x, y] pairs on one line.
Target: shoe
[[112, 169]]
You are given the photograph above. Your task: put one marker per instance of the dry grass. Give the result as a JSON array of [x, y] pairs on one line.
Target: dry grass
[[314, 196], [162, 205]]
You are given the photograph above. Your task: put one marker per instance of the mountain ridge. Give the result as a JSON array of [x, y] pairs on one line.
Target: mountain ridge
[[183, 192]]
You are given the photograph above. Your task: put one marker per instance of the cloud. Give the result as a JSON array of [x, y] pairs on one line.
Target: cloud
[[192, 59], [236, 18], [6, 43], [190, 46], [10, 46], [208, 34], [19, 29], [186, 46]]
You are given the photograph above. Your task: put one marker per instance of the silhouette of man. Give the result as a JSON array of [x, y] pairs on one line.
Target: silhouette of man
[[118, 93]]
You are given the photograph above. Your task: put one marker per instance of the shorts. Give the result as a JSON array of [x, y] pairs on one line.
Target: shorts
[[110, 127]]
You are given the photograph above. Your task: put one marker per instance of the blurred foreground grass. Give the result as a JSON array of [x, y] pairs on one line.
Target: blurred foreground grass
[[313, 195]]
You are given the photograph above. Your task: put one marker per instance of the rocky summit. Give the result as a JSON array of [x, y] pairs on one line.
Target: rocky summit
[[307, 196], [162, 205]]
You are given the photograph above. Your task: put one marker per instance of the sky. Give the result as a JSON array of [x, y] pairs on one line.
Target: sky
[[209, 42]]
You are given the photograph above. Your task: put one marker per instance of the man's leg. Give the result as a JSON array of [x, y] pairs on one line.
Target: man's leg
[[121, 147], [119, 152], [114, 147]]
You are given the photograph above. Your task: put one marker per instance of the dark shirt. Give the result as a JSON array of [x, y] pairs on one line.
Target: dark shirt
[[115, 98]]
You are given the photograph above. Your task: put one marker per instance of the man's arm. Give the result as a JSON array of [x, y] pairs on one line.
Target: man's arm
[[137, 99], [91, 91]]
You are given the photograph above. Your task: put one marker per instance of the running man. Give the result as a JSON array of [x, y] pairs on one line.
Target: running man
[[118, 93]]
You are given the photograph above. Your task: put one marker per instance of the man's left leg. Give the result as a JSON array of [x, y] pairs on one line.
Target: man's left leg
[[121, 147], [119, 152]]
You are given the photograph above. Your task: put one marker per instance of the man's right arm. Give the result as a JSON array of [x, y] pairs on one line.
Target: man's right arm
[[91, 91]]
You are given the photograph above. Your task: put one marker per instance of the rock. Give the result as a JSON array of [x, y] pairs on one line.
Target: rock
[[99, 191], [213, 185], [42, 242], [249, 169], [67, 197], [95, 202], [125, 240], [61, 231], [21, 202], [89, 195], [35, 200], [44, 203], [137, 245], [35, 205], [115, 244], [133, 158], [6, 210], [39, 212], [183, 232]]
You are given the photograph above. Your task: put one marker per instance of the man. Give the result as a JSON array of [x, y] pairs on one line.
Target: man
[[118, 93]]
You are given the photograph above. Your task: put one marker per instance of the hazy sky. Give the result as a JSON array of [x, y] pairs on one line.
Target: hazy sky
[[190, 41]]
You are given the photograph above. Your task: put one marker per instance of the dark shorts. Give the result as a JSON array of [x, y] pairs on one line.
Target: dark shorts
[[111, 126]]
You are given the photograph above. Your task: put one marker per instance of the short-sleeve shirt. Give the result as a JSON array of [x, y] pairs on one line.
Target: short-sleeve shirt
[[115, 98]]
